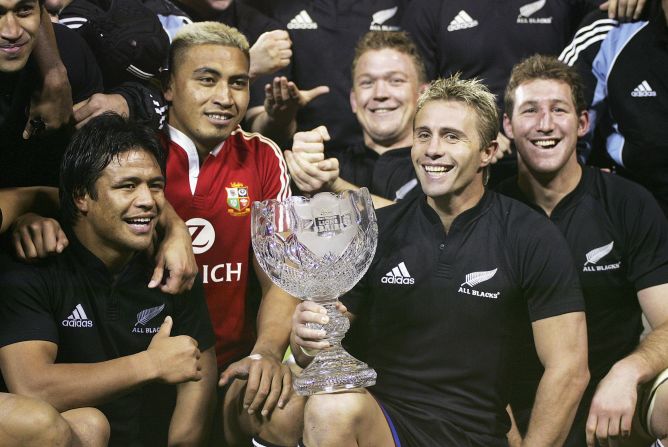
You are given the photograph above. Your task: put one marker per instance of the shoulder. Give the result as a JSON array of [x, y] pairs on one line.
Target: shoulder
[[255, 142], [619, 195]]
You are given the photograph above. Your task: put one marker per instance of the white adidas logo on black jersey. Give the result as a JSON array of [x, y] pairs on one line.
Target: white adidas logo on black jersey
[[302, 21], [78, 318], [398, 275], [462, 21], [642, 90]]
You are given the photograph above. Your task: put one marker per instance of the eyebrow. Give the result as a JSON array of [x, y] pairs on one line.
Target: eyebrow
[[135, 179], [19, 4]]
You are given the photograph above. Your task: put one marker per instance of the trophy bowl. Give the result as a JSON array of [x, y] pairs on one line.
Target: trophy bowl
[[317, 249]]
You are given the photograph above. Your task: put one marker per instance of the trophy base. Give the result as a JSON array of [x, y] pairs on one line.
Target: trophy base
[[331, 371]]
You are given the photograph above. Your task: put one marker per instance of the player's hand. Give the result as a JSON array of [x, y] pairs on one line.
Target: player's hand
[[282, 98], [612, 407], [504, 147], [307, 325], [174, 255], [623, 10], [35, 237], [268, 382], [174, 359], [98, 104], [51, 107], [270, 52], [309, 177]]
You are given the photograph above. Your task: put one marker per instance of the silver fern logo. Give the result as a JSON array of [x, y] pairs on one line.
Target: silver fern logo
[[473, 279], [379, 18], [530, 9], [147, 315], [599, 253], [595, 255]]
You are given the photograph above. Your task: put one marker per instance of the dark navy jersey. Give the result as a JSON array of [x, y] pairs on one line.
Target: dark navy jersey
[[625, 68], [73, 301], [324, 35], [444, 313], [390, 175], [485, 39], [619, 239]]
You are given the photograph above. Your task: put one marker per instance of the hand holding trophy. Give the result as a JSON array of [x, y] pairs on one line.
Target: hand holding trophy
[[317, 249]]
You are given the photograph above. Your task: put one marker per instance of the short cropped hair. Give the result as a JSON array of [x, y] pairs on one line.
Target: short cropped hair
[[548, 68], [92, 148], [393, 40], [474, 94], [206, 33]]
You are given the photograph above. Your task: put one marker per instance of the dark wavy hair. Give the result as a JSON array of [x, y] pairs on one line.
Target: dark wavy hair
[[93, 148]]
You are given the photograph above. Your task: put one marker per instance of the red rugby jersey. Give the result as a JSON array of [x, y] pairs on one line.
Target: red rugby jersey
[[214, 200]]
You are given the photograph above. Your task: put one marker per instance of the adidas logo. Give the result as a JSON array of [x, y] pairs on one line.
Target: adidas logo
[[398, 275], [77, 318], [302, 21], [462, 21], [642, 90]]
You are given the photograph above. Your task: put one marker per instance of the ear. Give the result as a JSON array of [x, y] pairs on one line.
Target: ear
[[507, 126], [353, 101], [583, 123], [82, 203], [423, 87], [487, 154], [167, 92]]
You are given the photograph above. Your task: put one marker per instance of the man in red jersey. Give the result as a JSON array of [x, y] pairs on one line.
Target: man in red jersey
[[215, 171]]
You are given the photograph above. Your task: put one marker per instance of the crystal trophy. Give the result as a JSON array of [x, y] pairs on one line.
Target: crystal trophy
[[317, 249]]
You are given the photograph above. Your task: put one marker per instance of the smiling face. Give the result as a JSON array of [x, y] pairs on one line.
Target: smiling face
[[446, 154], [545, 126], [384, 97], [121, 219], [19, 23], [208, 92]]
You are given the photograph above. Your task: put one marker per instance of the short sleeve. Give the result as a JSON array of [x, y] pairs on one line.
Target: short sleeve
[[192, 316], [25, 308]]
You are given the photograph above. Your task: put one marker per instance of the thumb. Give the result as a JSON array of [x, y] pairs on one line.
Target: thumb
[[165, 328], [310, 95], [324, 133], [158, 273], [28, 130]]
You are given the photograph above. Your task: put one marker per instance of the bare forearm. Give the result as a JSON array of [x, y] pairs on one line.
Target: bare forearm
[[280, 130], [650, 357], [15, 202], [195, 404], [557, 399], [274, 323], [46, 49], [67, 386], [341, 185]]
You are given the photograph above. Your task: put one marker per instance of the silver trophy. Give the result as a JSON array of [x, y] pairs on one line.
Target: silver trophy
[[317, 249]]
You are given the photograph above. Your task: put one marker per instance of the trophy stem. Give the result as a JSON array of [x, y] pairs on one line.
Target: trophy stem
[[333, 369]]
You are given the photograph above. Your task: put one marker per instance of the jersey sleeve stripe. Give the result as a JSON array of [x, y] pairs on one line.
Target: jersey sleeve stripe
[[284, 192], [584, 38]]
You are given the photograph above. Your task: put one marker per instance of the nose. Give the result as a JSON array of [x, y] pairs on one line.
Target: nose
[[434, 149], [144, 198], [546, 123], [10, 28], [223, 95], [380, 89]]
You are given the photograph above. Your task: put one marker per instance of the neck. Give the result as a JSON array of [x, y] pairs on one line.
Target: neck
[[380, 147], [547, 190], [113, 259], [450, 206]]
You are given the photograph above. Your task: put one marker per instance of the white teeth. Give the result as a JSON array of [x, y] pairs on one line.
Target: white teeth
[[436, 169], [545, 143], [382, 110], [218, 117], [141, 220]]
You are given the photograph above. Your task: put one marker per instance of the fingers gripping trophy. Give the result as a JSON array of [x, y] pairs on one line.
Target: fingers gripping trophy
[[317, 249]]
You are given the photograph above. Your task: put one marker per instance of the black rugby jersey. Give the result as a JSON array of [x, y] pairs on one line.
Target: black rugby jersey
[[324, 34], [390, 175], [443, 314], [74, 301]]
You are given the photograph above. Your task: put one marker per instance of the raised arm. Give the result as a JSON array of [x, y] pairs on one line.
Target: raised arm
[[561, 344]]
